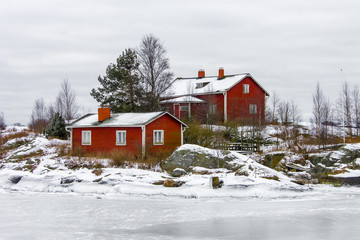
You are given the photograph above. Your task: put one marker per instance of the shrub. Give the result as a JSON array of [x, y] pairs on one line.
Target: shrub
[[2, 121], [78, 152], [154, 159], [203, 136], [56, 128], [62, 149], [119, 158]]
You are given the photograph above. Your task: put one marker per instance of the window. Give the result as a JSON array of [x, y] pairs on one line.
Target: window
[[201, 85], [253, 109], [120, 137], [165, 109], [184, 108], [212, 109], [158, 137], [86, 137], [246, 88]]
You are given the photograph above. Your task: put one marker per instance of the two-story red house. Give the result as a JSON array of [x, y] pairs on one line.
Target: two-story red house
[[237, 97]]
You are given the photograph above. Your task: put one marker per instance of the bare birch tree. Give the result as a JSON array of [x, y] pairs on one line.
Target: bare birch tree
[[295, 113], [68, 99], [274, 105], [356, 101], [154, 69], [326, 112], [2, 121], [284, 112], [39, 119], [318, 105], [347, 103]]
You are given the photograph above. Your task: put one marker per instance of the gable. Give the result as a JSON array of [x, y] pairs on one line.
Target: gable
[[206, 85]]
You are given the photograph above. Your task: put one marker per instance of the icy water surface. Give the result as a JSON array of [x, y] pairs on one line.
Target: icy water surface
[[49, 216]]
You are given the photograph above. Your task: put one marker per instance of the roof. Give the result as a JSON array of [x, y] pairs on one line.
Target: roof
[[119, 120], [207, 85], [184, 99]]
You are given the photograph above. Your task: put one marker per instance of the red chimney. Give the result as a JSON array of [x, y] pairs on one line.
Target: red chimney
[[103, 114], [201, 73], [221, 73]]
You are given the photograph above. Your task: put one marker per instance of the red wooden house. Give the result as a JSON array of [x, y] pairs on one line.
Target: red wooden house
[[136, 133], [237, 97]]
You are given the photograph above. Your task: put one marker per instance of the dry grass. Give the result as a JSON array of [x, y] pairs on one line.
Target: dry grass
[[8, 137], [79, 152], [120, 158], [62, 149], [152, 160]]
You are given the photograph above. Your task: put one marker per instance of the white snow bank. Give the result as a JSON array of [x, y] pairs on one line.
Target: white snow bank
[[350, 173]]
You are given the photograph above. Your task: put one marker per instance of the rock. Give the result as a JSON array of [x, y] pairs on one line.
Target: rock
[[200, 170], [97, 171], [15, 179], [241, 172], [98, 179], [215, 182], [160, 182], [68, 180], [172, 183], [273, 160], [178, 172], [207, 158]]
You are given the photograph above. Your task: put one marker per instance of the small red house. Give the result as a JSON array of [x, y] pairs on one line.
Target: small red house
[[137, 133], [237, 97]]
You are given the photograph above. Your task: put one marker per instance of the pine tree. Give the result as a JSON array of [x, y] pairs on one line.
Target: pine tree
[[121, 87], [56, 128]]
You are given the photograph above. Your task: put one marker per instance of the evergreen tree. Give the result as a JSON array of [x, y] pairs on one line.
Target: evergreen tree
[[56, 128], [121, 87]]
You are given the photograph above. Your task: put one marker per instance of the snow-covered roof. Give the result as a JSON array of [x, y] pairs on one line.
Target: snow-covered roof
[[184, 99], [206, 85], [118, 120]]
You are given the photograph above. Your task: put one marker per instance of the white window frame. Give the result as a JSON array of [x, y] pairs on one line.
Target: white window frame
[[184, 108], [155, 135], [84, 135], [213, 109], [253, 109], [246, 88], [123, 138]]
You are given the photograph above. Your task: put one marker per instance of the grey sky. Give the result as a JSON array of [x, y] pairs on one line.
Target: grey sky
[[287, 46]]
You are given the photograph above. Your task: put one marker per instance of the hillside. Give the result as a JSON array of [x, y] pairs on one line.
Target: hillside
[[30, 162]]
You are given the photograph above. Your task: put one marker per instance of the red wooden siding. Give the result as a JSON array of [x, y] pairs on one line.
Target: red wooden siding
[[172, 134], [239, 102], [204, 109], [237, 105], [103, 139]]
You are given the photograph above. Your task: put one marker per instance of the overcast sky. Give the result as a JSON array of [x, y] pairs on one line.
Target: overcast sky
[[288, 46]]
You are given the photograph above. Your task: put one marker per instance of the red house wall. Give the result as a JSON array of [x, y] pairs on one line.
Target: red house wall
[[201, 111], [239, 102], [172, 134], [103, 139]]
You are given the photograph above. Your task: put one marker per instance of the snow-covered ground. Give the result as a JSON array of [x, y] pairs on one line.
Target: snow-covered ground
[[34, 165]]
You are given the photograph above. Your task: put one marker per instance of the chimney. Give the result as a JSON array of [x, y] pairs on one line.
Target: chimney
[[201, 73], [221, 73], [103, 113]]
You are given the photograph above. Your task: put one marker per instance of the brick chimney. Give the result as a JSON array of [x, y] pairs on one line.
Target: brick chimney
[[103, 113], [221, 73], [201, 73]]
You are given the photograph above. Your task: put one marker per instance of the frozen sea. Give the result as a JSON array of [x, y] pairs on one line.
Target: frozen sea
[[67, 216]]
